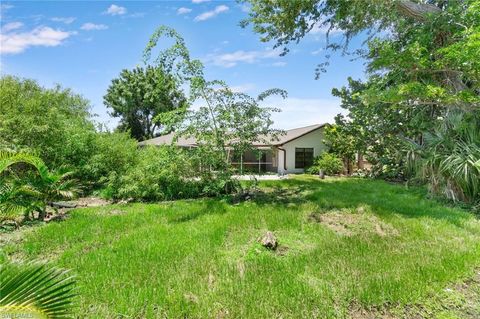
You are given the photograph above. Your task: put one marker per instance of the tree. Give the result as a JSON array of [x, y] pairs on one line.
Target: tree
[[341, 143], [449, 157], [139, 96], [226, 121], [416, 44], [379, 130], [54, 124]]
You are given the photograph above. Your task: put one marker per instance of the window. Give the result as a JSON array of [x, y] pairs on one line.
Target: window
[[303, 157]]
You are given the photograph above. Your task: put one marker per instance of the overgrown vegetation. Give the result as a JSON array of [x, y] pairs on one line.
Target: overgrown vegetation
[[423, 75], [346, 247], [327, 163], [27, 186], [55, 125]]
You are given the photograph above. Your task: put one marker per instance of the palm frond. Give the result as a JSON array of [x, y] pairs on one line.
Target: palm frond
[[449, 158], [8, 159], [36, 289]]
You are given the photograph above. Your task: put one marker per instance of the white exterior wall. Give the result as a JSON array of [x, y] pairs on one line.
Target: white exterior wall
[[310, 140]]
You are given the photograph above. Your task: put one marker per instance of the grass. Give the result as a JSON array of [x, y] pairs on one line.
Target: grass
[[348, 248]]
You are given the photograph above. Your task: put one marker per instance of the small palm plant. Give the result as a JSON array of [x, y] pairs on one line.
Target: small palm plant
[[15, 200], [26, 190], [35, 291], [51, 186]]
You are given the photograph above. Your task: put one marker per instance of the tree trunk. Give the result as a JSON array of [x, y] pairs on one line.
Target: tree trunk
[[420, 12], [360, 160]]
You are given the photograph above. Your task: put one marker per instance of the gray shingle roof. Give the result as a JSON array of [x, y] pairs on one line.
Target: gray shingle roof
[[189, 142]]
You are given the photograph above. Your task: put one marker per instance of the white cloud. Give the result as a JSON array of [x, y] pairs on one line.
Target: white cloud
[[116, 10], [242, 88], [298, 112], [199, 1], [92, 26], [12, 26], [228, 60], [210, 14], [183, 10], [5, 6], [66, 20], [13, 43]]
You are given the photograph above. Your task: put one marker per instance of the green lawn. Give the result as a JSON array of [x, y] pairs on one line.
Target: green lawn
[[348, 248]]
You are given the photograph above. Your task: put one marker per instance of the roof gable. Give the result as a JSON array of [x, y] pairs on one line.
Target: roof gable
[[289, 135]]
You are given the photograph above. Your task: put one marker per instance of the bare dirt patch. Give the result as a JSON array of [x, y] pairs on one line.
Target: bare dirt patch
[[349, 222], [90, 202]]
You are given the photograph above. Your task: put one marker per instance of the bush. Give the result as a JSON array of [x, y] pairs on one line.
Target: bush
[[327, 162], [112, 153], [55, 124], [166, 173], [51, 123]]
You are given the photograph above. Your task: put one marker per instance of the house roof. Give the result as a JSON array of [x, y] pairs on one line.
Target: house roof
[[289, 135]]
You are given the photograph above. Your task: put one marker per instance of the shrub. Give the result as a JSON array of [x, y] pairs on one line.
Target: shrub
[[160, 173], [327, 162], [166, 173], [55, 124], [51, 123], [113, 153]]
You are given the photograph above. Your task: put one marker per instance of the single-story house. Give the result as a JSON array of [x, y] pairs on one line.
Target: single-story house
[[291, 152]]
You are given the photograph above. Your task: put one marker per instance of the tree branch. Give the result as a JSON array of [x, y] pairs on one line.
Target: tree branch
[[417, 11]]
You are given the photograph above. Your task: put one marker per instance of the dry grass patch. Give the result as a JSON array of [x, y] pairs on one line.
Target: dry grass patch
[[352, 222]]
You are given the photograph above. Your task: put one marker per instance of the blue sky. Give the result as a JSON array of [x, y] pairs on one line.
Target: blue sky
[[84, 45]]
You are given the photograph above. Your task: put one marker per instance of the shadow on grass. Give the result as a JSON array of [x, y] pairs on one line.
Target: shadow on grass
[[208, 207], [384, 198], [278, 195]]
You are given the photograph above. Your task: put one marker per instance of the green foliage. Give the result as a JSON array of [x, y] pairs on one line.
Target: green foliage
[[25, 189], [35, 290], [200, 258], [329, 163], [422, 67], [226, 122], [114, 153], [449, 157], [54, 125], [139, 96], [51, 186], [51, 123], [166, 173]]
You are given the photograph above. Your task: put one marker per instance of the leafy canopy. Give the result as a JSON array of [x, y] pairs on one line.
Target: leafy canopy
[[225, 121], [138, 96]]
